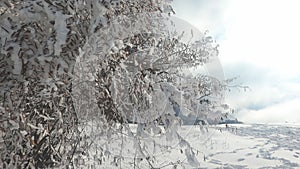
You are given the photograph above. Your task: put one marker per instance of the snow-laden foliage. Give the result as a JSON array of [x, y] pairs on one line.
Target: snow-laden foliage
[[82, 81]]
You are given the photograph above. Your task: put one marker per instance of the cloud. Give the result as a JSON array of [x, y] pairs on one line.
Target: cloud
[[205, 15], [259, 44], [288, 111], [264, 33], [258, 33], [268, 91]]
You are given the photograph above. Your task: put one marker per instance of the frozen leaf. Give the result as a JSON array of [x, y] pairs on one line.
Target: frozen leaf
[[61, 29], [24, 133], [190, 155], [33, 126], [14, 125]]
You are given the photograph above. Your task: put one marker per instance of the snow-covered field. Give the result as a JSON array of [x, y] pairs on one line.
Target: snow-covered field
[[235, 146], [254, 146]]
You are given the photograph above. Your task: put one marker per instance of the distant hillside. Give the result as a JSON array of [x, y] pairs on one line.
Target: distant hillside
[[231, 121]]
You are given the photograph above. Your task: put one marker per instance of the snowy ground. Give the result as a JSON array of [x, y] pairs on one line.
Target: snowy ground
[[236, 146], [255, 146]]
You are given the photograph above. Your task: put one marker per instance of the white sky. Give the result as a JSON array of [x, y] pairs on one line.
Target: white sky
[[259, 42]]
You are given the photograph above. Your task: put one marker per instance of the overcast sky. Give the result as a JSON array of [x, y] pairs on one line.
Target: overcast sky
[[259, 43]]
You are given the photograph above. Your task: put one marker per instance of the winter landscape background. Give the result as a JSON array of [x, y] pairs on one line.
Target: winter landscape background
[[257, 44], [149, 84]]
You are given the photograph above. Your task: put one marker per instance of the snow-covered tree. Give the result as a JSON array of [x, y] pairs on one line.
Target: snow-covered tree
[[73, 72]]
